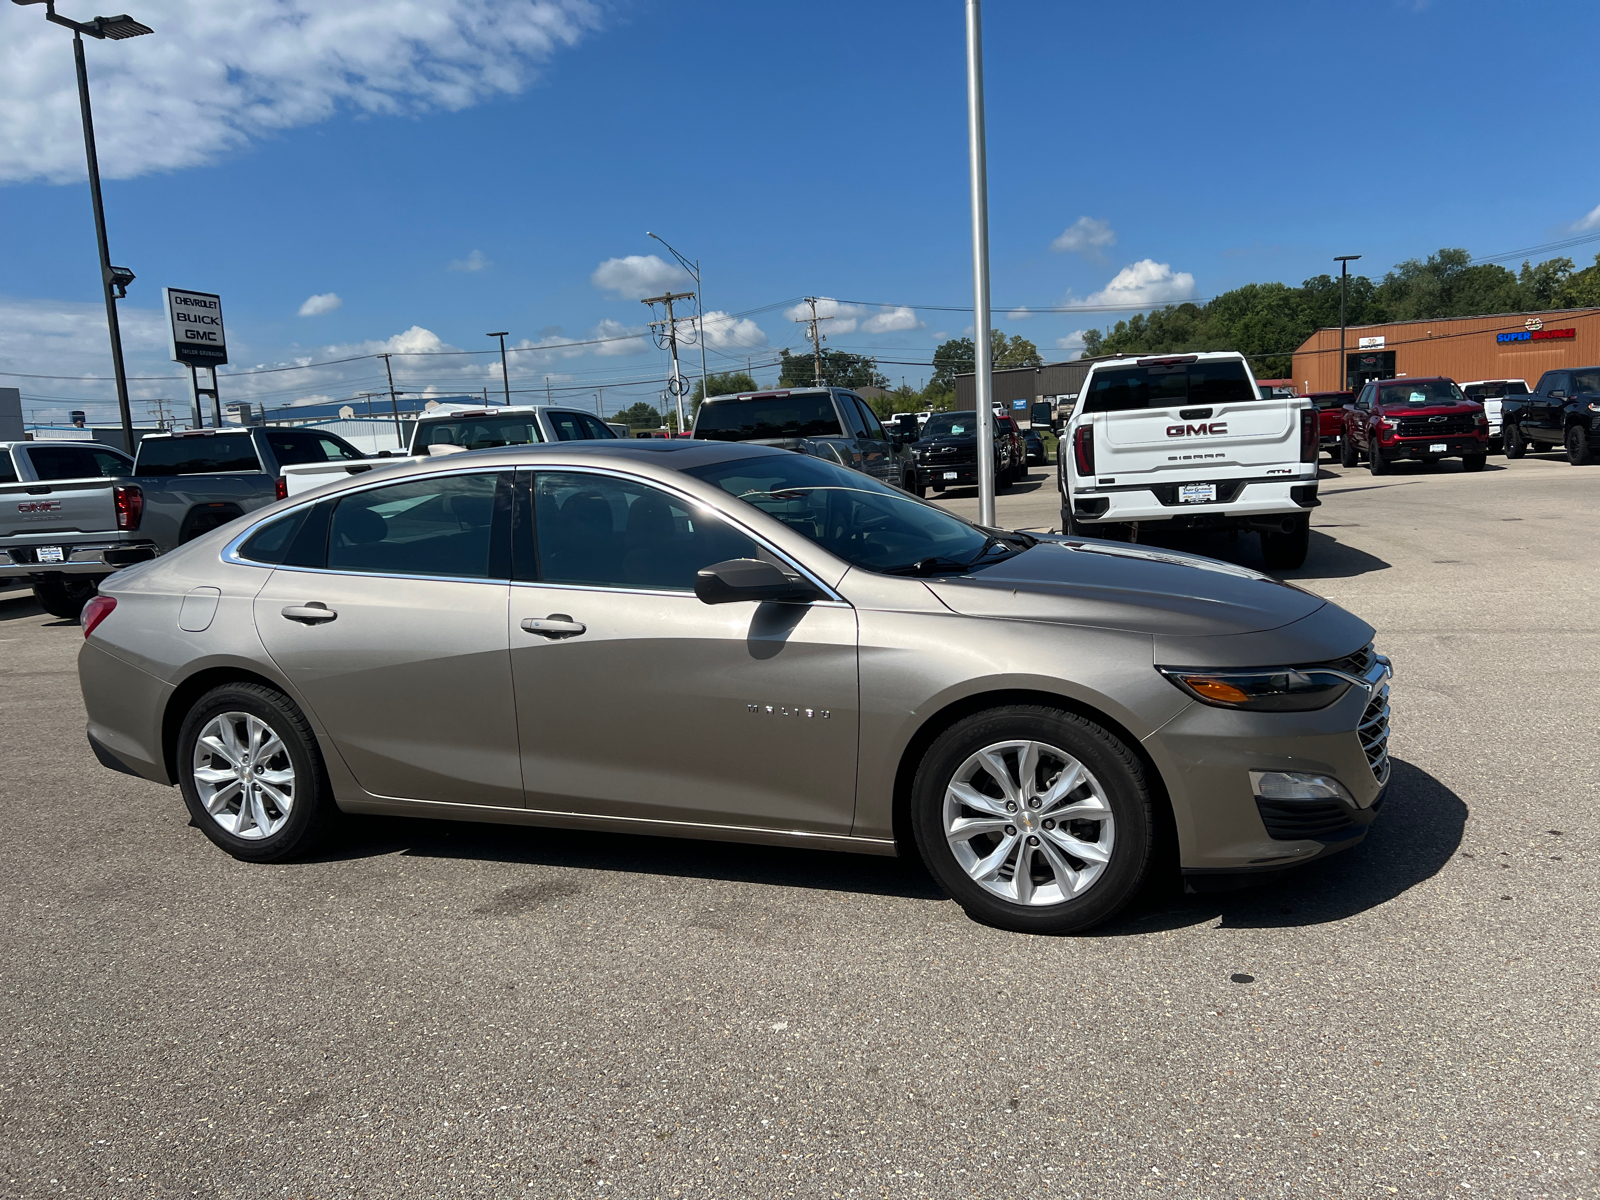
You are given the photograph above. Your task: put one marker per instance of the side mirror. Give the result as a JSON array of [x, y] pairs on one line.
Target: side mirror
[[750, 579], [1558, 394]]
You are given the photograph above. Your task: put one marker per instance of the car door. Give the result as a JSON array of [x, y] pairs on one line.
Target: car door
[[391, 624], [1545, 408], [636, 700], [877, 451], [1357, 418]]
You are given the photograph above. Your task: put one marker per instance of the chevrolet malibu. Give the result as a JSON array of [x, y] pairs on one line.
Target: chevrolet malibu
[[715, 640]]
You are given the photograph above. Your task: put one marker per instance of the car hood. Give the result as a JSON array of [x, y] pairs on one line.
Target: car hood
[[960, 441], [1198, 610], [1404, 408]]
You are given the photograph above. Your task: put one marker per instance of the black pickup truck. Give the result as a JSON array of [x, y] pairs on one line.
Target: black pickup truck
[[1562, 413]]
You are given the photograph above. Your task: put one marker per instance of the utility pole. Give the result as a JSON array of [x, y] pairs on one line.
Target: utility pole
[[676, 386], [816, 338], [1344, 261], [699, 308], [394, 405], [980, 263], [505, 375]]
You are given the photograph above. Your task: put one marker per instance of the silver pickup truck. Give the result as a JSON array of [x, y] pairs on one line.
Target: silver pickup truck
[[64, 534]]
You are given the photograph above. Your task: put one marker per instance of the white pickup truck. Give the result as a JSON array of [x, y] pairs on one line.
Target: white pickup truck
[[468, 429], [1186, 441]]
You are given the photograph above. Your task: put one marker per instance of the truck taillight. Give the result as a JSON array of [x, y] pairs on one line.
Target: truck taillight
[[280, 489], [129, 501], [1310, 435], [1083, 449], [97, 610]]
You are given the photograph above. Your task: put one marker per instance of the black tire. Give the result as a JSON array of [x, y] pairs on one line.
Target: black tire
[[1068, 529], [1287, 551], [1579, 452], [1347, 453], [1376, 462], [937, 488], [918, 488], [1112, 766], [312, 814], [1515, 444], [1474, 462], [65, 597]]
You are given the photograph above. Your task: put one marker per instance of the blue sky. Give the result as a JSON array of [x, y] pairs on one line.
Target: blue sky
[[443, 180]]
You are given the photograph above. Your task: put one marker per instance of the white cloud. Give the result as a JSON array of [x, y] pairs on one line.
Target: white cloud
[[724, 331], [638, 276], [215, 77], [632, 339], [1018, 314], [1592, 221], [891, 320], [1072, 343], [472, 262], [1086, 235], [1142, 285], [847, 318], [323, 302]]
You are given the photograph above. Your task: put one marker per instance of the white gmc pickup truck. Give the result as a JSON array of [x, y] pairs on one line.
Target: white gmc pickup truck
[[1186, 441]]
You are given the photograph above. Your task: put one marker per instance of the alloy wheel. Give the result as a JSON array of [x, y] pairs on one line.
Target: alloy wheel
[[1028, 822], [243, 775]]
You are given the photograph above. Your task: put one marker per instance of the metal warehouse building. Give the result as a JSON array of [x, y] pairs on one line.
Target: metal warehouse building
[[1053, 381], [1506, 346]]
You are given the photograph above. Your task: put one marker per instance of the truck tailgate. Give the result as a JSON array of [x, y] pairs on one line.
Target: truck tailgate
[[1250, 434], [37, 510]]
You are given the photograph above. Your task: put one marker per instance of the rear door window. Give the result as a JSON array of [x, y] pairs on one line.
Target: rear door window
[[596, 429], [63, 462], [567, 426], [439, 526], [798, 415], [480, 432], [8, 469], [1168, 385], [206, 455]]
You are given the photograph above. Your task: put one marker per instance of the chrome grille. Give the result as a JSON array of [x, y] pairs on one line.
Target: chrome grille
[[1451, 426], [1374, 728]]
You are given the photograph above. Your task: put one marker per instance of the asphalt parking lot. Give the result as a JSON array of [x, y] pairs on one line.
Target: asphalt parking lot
[[451, 1010]]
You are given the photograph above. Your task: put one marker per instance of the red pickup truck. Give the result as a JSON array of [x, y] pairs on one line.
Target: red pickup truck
[[1330, 418], [1422, 419]]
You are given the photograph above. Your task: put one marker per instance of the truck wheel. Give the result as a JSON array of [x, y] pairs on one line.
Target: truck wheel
[[64, 597], [252, 775], [1516, 445], [1347, 453], [1578, 450], [1033, 819], [1287, 551], [916, 487], [1473, 462], [1376, 462]]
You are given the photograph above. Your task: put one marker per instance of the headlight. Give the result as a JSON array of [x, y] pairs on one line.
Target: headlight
[[1283, 689], [1594, 408]]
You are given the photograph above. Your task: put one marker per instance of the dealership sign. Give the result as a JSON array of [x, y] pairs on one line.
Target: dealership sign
[[1370, 343], [197, 335], [1536, 335]]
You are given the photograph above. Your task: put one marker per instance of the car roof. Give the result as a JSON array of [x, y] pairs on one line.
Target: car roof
[[1409, 379], [1197, 355], [495, 410], [768, 393]]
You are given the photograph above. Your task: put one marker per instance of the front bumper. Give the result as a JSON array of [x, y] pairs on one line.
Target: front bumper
[[948, 474], [1455, 447], [1206, 755], [1255, 499], [78, 558]]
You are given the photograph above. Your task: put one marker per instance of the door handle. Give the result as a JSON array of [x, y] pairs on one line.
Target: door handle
[[310, 614], [556, 625]]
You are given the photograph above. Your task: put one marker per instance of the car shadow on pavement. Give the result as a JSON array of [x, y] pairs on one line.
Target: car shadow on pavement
[[1327, 558], [779, 866], [1417, 832]]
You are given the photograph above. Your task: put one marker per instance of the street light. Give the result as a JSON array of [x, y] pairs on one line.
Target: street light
[[700, 311], [505, 374], [114, 280], [1344, 261]]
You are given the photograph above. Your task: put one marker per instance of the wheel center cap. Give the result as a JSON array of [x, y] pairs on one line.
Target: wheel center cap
[[1025, 819]]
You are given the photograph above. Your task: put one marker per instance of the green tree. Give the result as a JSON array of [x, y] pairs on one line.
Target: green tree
[[957, 357], [725, 384], [839, 369], [640, 416]]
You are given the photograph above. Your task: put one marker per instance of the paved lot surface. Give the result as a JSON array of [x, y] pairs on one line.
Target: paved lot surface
[[450, 1010]]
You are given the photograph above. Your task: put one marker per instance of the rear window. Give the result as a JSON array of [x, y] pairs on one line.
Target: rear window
[[8, 472], [1332, 399], [292, 447], [479, 433], [805, 415], [1158, 385], [212, 455], [75, 462], [1495, 389], [1422, 391]]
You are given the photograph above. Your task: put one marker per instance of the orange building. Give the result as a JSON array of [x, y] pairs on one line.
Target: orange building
[[1506, 346]]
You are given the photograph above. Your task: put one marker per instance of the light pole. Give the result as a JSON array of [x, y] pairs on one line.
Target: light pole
[[699, 308], [980, 264], [505, 374], [1344, 261], [115, 280]]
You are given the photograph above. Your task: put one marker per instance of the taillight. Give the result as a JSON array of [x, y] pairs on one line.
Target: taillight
[[280, 489], [97, 610], [1083, 449], [1310, 435], [129, 500]]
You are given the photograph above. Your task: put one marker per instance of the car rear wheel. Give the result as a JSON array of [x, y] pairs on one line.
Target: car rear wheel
[[1033, 819], [1287, 551], [1515, 444], [1347, 453], [252, 775], [1578, 450], [65, 597], [1473, 462]]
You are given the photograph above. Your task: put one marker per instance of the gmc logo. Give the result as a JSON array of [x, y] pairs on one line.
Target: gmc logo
[[1213, 428], [39, 506]]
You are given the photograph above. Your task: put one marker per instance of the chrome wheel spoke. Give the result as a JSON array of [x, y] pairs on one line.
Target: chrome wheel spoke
[[965, 793], [1000, 771], [216, 746], [987, 868], [1022, 881], [277, 779], [1027, 769], [1064, 784], [218, 802], [967, 828], [1068, 880], [1089, 852], [215, 776], [278, 796]]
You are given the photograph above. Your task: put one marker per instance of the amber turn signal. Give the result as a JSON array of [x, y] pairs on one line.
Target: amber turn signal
[[1216, 689]]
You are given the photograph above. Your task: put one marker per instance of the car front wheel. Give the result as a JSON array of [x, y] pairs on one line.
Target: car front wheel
[[1033, 819], [1515, 445], [252, 775], [1347, 453], [1376, 462], [1578, 450]]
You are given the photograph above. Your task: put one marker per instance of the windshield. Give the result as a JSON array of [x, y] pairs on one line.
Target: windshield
[[1495, 389], [951, 425], [1423, 391], [478, 433], [1332, 399], [864, 522], [798, 415], [1169, 385]]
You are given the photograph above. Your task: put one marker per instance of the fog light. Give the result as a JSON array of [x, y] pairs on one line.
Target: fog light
[[1296, 785]]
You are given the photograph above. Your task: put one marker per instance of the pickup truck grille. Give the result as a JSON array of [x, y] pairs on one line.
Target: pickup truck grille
[[949, 456], [1451, 426]]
